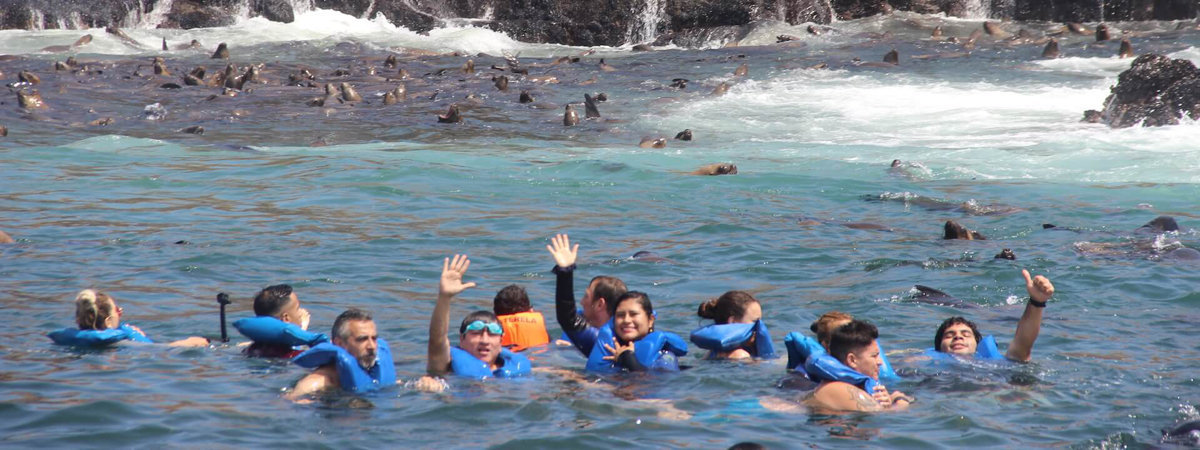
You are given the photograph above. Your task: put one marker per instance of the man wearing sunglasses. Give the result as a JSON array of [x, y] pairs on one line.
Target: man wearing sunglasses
[[478, 354]]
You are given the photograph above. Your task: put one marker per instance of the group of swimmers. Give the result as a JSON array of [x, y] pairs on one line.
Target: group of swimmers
[[614, 328]]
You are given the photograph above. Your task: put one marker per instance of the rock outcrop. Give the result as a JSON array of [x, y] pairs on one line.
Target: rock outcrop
[[1156, 90]]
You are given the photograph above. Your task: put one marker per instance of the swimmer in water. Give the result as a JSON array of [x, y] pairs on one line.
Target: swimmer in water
[[855, 345], [734, 307], [281, 302], [633, 323], [95, 310], [479, 353], [960, 337], [583, 328], [523, 327]]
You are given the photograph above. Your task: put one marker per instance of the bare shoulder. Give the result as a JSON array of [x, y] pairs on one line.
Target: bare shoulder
[[841, 396]]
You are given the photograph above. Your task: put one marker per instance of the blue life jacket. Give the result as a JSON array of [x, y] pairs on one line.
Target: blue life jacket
[[351, 375], [97, 338], [807, 356], [272, 331], [985, 350], [512, 365], [731, 336], [658, 350]]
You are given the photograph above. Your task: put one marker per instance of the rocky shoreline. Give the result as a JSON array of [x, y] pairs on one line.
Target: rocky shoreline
[[574, 22]]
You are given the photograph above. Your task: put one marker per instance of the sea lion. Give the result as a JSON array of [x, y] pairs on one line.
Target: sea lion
[[716, 169], [606, 67], [653, 143], [125, 39], [3, 131], [937, 32], [1187, 433], [469, 66], [169, 86], [994, 30], [164, 45], [954, 230], [390, 62], [1092, 116], [601, 97], [1078, 28], [1159, 225], [813, 30], [892, 57], [972, 39], [389, 98], [720, 90], [194, 45], [59, 65], [86, 39], [679, 83], [1182, 254], [349, 94], [685, 135], [32, 100], [651, 257], [191, 80], [525, 97], [222, 52], [160, 67], [785, 38], [28, 77], [1051, 50], [452, 115], [501, 83], [401, 92], [194, 129], [1126, 50], [1102, 33], [928, 295], [403, 74], [589, 107], [741, 70], [6, 239], [230, 78], [570, 117], [589, 81], [642, 48], [1006, 254]]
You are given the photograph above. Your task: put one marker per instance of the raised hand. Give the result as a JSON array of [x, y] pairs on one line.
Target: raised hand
[[305, 317], [617, 349], [1039, 287], [452, 274], [560, 248]]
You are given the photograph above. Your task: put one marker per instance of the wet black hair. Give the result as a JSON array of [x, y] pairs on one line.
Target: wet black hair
[[641, 297], [941, 331], [271, 299], [851, 337]]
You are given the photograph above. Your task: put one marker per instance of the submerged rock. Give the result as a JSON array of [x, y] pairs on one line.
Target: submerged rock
[[1156, 90]]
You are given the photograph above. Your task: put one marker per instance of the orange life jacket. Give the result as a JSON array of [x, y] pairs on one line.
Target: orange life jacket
[[523, 330]]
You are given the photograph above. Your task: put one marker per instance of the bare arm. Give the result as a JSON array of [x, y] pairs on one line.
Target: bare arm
[[194, 341], [839, 396], [439, 324], [1040, 290], [323, 378]]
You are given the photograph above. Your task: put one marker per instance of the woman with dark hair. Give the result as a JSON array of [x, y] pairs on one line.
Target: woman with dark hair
[[635, 345], [738, 331]]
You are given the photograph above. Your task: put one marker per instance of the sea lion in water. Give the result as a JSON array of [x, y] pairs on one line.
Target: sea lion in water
[[349, 94], [160, 67], [3, 131], [642, 48], [525, 97], [685, 135], [1006, 254], [452, 115], [972, 39], [194, 129], [86, 39], [469, 66], [389, 98], [937, 32], [222, 52], [785, 38], [501, 83], [892, 57], [60, 65], [390, 62], [125, 39], [741, 70], [570, 117], [679, 83], [6, 239], [954, 230], [1187, 433], [1051, 50], [928, 295], [1126, 50], [1102, 33], [653, 143], [720, 90], [647, 256], [716, 169], [606, 67], [28, 77], [993, 29], [589, 107], [1159, 225], [32, 100]]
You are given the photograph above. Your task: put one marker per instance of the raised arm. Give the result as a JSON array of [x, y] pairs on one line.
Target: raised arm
[[564, 286], [439, 324], [1040, 290]]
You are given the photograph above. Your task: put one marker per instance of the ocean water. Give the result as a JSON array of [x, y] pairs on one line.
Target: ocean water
[[356, 205]]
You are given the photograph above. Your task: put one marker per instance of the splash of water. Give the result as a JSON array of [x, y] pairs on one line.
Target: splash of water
[[156, 15], [976, 9], [646, 27]]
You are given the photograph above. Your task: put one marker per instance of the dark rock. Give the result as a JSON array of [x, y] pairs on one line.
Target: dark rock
[[188, 14], [1156, 90], [274, 10]]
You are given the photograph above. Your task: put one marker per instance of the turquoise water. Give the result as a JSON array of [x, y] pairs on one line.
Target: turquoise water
[[356, 206]]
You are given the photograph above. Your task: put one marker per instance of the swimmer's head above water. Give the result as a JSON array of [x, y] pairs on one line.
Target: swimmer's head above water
[[480, 335], [96, 310], [731, 307], [281, 302], [633, 316], [355, 331], [957, 335], [824, 326], [855, 345]]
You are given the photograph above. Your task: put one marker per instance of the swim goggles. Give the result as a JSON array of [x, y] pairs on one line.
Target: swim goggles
[[492, 327]]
